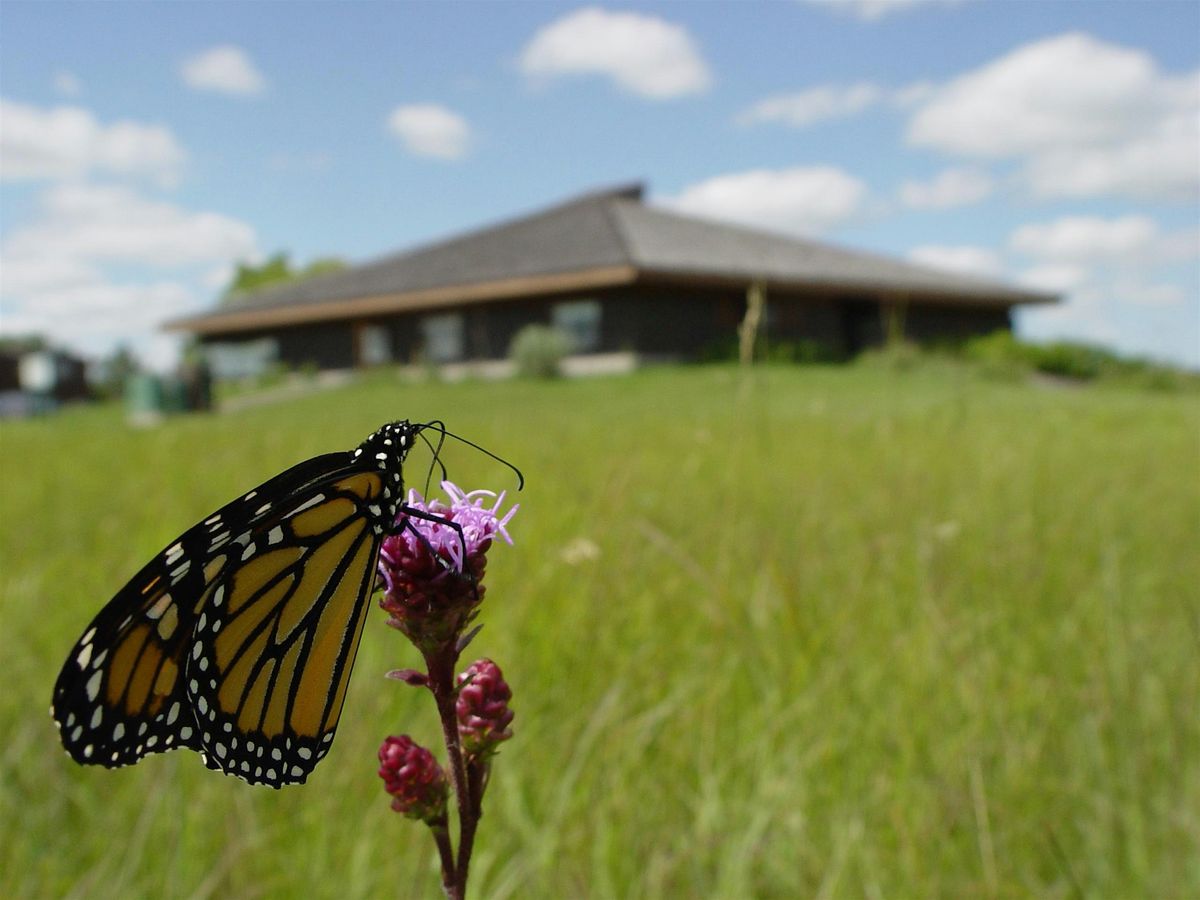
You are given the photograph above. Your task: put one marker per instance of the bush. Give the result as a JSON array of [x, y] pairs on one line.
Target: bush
[[899, 356], [1071, 360], [538, 351], [999, 355]]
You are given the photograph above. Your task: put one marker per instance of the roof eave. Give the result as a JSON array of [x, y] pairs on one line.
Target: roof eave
[[983, 295], [223, 321]]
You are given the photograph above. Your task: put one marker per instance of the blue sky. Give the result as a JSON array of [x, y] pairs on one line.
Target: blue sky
[[145, 148]]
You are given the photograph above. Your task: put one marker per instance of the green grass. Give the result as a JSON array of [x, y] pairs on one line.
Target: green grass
[[849, 634]]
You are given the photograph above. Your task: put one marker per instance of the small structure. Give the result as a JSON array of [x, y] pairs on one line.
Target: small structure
[[619, 276], [38, 380]]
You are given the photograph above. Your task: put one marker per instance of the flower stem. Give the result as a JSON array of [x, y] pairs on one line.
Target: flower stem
[[441, 684], [441, 835]]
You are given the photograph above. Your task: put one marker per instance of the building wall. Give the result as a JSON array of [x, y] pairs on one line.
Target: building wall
[[953, 324], [329, 345], [683, 323]]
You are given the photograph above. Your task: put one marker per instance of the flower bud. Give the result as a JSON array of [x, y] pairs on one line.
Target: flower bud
[[414, 779], [482, 708]]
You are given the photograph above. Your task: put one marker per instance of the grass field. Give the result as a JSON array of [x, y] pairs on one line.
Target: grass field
[[848, 634]]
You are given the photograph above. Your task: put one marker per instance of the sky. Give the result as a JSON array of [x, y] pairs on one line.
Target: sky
[[147, 148]]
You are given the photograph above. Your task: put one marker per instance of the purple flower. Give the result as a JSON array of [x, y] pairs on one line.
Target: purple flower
[[482, 708], [432, 576], [414, 779]]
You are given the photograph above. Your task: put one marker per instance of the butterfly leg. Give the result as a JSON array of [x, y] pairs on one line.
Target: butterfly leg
[[411, 513]]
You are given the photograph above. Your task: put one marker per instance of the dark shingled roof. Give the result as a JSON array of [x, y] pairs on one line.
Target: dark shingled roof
[[613, 230]]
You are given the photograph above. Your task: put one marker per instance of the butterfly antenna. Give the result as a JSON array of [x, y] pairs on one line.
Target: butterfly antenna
[[440, 427], [436, 455]]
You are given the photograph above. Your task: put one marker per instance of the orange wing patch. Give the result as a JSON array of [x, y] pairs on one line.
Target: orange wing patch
[[367, 486], [329, 647]]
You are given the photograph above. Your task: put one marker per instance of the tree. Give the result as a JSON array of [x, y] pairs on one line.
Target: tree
[[275, 271], [115, 370], [16, 344]]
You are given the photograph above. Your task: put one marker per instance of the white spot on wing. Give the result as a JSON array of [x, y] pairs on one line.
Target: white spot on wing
[[311, 501], [93, 686], [160, 606]]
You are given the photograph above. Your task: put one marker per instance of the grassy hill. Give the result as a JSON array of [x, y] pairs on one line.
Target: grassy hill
[[835, 633]]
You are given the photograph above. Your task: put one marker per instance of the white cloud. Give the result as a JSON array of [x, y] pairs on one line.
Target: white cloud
[[225, 69], [77, 272], [1158, 166], [1088, 239], [1155, 319], [1126, 283], [805, 200], [1088, 118], [1155, 294], [875, 10], [643, 54], [948, 189], [967, 259], [1057, 278], [803, 108], [428, 129], [104, 224], [67, 83], [68, 142]]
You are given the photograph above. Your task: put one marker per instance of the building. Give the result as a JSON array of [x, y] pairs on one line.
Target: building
[[621, 277], [34, 379]]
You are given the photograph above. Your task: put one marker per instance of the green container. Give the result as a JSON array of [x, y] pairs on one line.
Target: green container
[[174, 395], [143, 395]]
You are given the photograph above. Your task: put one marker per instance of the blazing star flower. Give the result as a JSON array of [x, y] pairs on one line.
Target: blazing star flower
[[482, 708], [432, 576], [414, 779]]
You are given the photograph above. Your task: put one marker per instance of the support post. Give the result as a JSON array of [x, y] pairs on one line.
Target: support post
[[756, 302]]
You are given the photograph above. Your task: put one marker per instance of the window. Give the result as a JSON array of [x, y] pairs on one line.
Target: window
[[443, 336], [581, 320], [374, 345], [244, 359]]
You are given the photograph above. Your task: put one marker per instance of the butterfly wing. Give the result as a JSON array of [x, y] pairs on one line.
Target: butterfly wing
[[133, 683], [273, 650]]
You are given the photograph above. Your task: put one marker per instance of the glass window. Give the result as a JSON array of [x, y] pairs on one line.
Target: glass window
[[443, 337], [243, 359], [374, 345], [581, 320]]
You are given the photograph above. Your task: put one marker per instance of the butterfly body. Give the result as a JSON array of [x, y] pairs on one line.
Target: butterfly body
[[238, 639]]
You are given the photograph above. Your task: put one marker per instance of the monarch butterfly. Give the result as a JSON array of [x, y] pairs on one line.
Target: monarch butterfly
[[238, 639]]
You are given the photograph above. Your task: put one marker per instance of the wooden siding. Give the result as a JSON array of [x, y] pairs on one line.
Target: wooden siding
[[658, 321]]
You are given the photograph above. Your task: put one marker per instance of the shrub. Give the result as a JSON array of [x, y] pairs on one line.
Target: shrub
[[999, 355], [538, 351], [899, 356], [1068, 359]]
